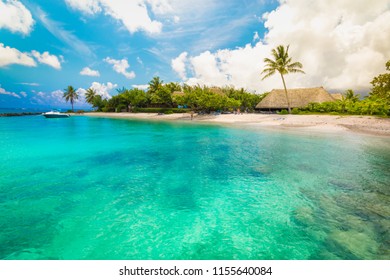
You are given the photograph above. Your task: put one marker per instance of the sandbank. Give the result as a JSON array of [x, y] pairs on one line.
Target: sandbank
[[315, 123]]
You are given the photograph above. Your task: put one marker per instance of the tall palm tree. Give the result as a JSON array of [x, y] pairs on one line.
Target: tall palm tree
[[70, 95], [283, 65], [90, 95], [155, 84]]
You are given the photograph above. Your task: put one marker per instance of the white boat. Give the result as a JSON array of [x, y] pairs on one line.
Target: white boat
[[55, 114]]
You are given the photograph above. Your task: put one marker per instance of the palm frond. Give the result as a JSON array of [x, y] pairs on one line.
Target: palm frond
[[282, 63], [269, 73], [296, 71], [295, 65]]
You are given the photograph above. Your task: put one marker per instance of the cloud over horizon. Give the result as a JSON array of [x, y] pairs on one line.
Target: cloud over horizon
[[103, 89], [342, 46], [13, 94]]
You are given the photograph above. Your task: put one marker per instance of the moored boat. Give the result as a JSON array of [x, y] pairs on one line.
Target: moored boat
[[55, 114]]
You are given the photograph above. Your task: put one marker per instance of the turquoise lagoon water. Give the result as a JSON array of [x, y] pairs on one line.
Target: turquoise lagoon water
[[95, 188]]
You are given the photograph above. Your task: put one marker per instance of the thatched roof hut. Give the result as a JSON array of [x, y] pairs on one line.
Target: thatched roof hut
[[216, 90], [299, 98], [178, 93], [337, 96]]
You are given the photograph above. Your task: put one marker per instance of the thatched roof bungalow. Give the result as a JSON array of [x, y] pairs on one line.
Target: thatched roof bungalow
[[337, 96], [178, 93], [299, 98]]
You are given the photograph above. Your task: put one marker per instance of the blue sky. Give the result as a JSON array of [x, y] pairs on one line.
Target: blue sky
[[47, 45]]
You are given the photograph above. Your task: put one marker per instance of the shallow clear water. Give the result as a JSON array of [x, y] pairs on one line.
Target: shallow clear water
[[95, 188]]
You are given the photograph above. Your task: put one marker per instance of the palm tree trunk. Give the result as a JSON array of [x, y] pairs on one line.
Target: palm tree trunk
[[285, 91], [72, 106]]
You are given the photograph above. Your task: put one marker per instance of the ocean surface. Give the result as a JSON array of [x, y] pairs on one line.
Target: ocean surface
[[95, 188], [34, 110]]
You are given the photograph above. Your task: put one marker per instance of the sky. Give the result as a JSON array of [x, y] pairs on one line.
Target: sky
[[109, 44]]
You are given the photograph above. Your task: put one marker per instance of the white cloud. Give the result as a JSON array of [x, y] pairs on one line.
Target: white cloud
[[160, 6], [132, 14], [15, 17], [121, 66], [179, 65], [103, 89], [256, 36], [341, 44], [3, 91], [10, 56], [89, 72], [48, 59], [13, 56], [56, 98], [142, 87], [23, 93], [86, 6], [57, 95]]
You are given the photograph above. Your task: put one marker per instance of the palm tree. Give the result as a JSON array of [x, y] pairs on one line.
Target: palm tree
[[351, 96], [282, 64], [70, 95], [155, 84], [90, 95]]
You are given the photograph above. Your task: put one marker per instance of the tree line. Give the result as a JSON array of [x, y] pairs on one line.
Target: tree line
[[173, 96], [376, 103], [207, 99]]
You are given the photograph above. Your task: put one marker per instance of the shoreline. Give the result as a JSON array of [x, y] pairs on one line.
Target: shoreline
[[304, 123]]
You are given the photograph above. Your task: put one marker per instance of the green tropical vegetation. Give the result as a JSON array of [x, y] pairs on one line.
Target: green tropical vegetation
[[174, 98], [283, 65], [376, 103], [70, 95]]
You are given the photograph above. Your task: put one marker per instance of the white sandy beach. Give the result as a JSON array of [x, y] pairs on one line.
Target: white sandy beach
[[316, 123]]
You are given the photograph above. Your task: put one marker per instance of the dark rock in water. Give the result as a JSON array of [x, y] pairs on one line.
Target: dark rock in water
[[18, 114], [342, 185]]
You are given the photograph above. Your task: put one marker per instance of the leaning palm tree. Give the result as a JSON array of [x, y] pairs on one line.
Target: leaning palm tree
[[90, 95], [70, 95], [283, 65]]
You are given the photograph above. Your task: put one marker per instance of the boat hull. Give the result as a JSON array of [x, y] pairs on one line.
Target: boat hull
[[56, 116]]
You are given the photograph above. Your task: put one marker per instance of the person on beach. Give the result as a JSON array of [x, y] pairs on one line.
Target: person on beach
[[192, 115]]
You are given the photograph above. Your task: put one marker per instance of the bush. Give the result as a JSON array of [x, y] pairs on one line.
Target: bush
[[295, 111], [120, 108], [283, 112], [168, 112]]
